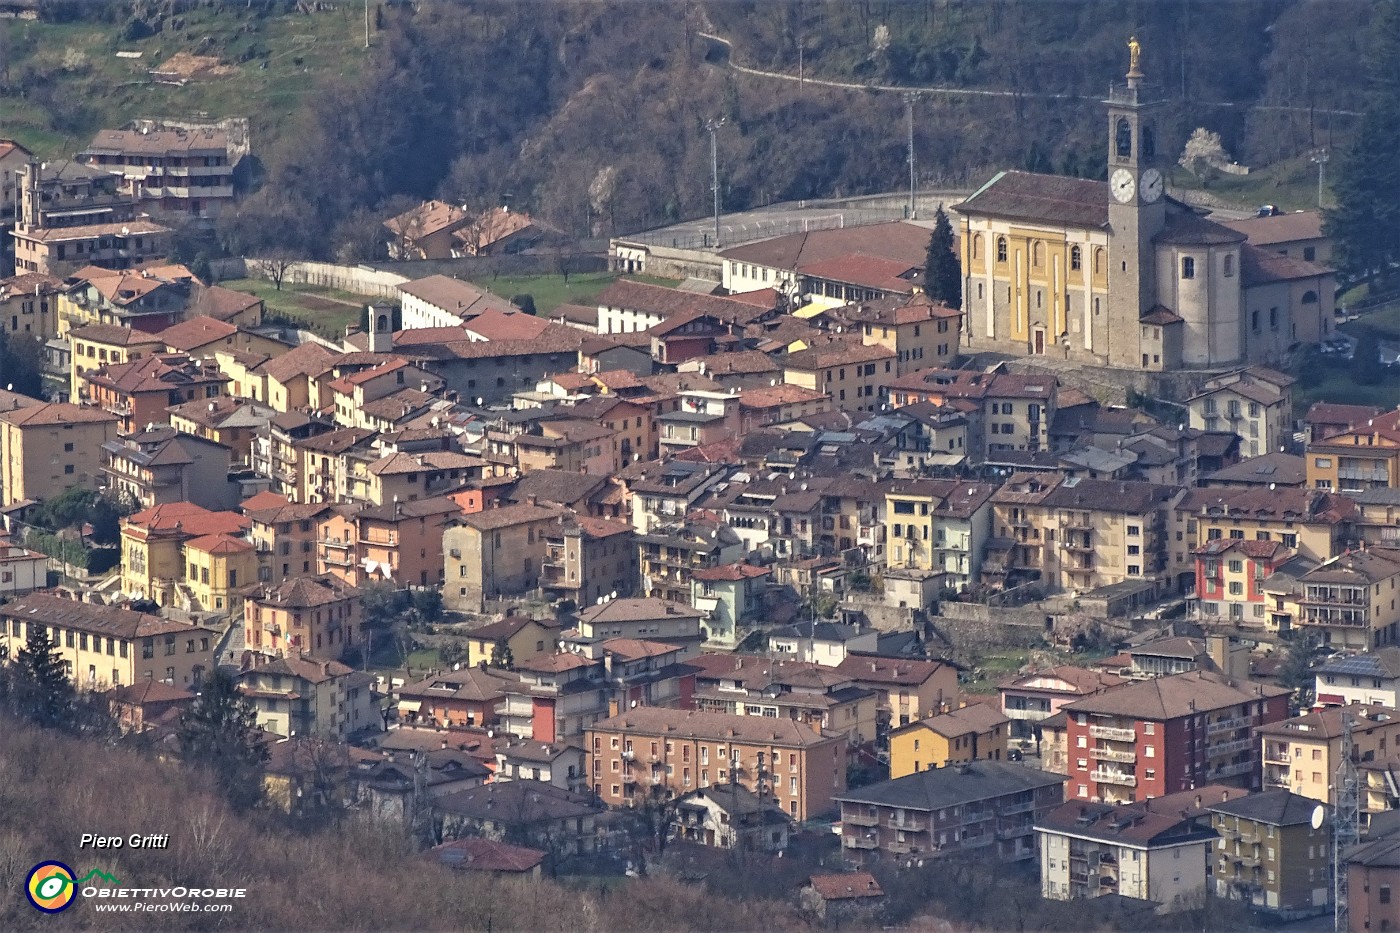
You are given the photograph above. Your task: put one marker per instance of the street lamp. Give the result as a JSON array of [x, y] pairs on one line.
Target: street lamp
[[1319, 158], [713, 126]]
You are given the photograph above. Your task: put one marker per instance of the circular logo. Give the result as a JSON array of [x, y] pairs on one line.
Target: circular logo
[[50, 887]]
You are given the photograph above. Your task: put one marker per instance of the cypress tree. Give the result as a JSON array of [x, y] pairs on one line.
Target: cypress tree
[[942, 271], [220, 732]]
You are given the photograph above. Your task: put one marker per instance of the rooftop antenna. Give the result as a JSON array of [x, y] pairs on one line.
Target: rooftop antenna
[[1346, 817]]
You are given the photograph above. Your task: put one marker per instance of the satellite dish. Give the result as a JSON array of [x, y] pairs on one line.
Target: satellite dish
[[600, 601], [479, 401], [1319, 814], [613, 594]]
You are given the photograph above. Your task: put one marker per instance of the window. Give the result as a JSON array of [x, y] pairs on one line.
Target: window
[[1001, 249], [1383, 895], [1229, 265], [1076, 258], [1188, 267]]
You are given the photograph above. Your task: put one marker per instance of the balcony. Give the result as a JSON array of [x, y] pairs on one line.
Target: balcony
[[860, 842], [899, 848], [1234, 747], [1113, 733], [1230, 770], [1113, 754], [860, 819], [1025, 807], [1277, 755], [1106, 776], [1227, 725], [908, 826]]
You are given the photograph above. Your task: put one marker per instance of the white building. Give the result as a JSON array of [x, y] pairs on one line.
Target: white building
[[1372, 678], [439, 301]]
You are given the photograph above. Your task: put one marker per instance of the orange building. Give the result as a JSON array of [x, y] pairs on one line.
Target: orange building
[[303, 615], [141, 391]]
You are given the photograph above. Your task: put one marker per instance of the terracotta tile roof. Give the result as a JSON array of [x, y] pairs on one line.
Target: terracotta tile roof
[[188, 518], [1160, 315], [222, 303], [1052, 199], [156, 374], [1132, 825], [555, 663], [1356, 568], [508, 515], [263, 502], [159, 142], [636, 610], [1290, 504], [602, 527], [1191, 229], [219, 544], [149, 691], [90, 617], [668, 302], [1337, 414], [897, 311], [975, 718], [508, 627], [896, 240], [55, 413], [740, 363], [471, 684], [631, 649], [426, 219], [90, 231], [454, 296], [846, 887], [473, 854], [1260, 266], [114, 335], [730, 573], [1257, 550], [652, 720], [28, 283], [874, 669], [777, 396], [1082, 681], [494, 324], [865, 271], [308, 359], [195, 332], [305, 592], [1280, 228], [311, 669], [1164, 698], [837, 352]]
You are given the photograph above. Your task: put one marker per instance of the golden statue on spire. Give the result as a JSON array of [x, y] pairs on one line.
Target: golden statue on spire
[[1134, 57]]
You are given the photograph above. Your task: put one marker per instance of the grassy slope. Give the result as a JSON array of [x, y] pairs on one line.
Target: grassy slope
[[295, 48]]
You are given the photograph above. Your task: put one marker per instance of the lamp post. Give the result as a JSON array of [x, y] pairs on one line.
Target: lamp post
[[1319, 158], [909, 98], [713, 126]]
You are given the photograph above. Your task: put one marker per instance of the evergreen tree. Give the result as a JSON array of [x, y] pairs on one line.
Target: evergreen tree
[[40, 689], [1366, 183], [501, 655], [942, 271], [219, 732], [1366, 368]]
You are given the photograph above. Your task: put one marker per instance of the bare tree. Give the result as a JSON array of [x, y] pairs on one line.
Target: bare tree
[[273, 265]]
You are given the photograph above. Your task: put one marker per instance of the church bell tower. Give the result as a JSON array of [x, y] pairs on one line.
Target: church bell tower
[[1136, 209]]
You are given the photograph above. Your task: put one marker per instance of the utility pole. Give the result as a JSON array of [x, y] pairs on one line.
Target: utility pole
[[1345, 825], [366, 23], [713, 126], [1319, 159], [909, 98]]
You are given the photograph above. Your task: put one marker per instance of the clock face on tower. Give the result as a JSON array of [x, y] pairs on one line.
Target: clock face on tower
[[1122, 186], [1151, 185]]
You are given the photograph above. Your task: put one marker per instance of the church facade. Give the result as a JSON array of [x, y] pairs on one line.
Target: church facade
[[1119, 274]]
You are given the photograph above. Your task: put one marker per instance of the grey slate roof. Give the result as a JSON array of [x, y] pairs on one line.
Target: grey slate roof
[[1274, 807], [953, 786]]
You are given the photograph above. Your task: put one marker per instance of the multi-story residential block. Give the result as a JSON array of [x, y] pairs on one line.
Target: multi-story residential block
[[627, 306], [470, 697], [1090, 849], [818, 696], [1350, 601], [1274, 851], [170, 171], [663, 492], [852, 374], [646, 618], [940, 526], [730, 816], [153, 549], [907, 689], [289, 376], [1030, 699], [1230, 575], [46, 447], [13, 157], [1371, 678], [538, 813], [1155, 737], [923, 332], [141, 392], [1313, 522], [779, 404], [96, 345], [400, 542], [150, 298], [302, 695], [232, 422], [496, 552], [1360, 456], [1302, 754], [964, 808], [588, 558], [973, 733], [516, 637], [276, 453], [103, 646], [1082, 534], [559, 765], [1014, 412], [1373, 883], [218, 567], [797, 767], [670, 555], [303, 615], [284, 535], [29, 304], [161, 465], [1255, 403]]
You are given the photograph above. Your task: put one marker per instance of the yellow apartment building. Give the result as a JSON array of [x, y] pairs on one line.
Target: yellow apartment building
[[1311, 521], [46, 447], [845, 369], [1363, 457], [97, 345], [977, 731], [217, 568], [524, 636], [1302, 754], [1352, 602], [154, 565], [103, 646], [922, 332]]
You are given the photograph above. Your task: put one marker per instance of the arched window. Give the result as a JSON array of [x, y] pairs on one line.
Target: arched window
[[1037, 254], [977, 246], [381, 323], [1076, 258], [1309, 298], [1123, 138], [1229, 265], [1001, 249], [1098, 261]]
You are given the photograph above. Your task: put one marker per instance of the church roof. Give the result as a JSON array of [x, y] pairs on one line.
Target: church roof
[[1187, 229], [1054, 199]]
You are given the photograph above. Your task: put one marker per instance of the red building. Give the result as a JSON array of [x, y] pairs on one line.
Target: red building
[[1160, 736], [1230, 574]]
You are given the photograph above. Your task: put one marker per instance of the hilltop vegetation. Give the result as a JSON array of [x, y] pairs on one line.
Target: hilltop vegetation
[[593, 114]]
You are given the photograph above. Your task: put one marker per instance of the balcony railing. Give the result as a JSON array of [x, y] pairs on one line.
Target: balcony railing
[[1227, 725], [860, 842], [1230, 748], [860, 819], [1113, 754], [909, 826], [1242, 767], [1113, 733], [1106, 776]]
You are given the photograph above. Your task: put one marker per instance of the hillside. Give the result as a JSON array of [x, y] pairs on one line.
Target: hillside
[[594, 114]]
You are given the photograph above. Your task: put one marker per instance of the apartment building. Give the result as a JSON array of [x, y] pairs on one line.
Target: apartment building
[[588, 558], [922, 332], [974, 732], [46, 447], [1312, 522], [497, 552], [671, 555], [1230, 575], [153, 549], [29, 304], [941, 526], [789, 763], [284, 535], [162, 465], [662, 492], [1155, 737], [1014, 412], [651, 619], [1373, 873], [150, 298], [218, 567], [1030, 699], [517, 635], [852, 374], [983, 807], [103, 646], [1302, 754], [906, 689], [142, 391], [1081, 534], [469, 697], [442, 301], [1371, 678], [1350, 601], [96, 345], [21, 571], [1255, 403], [400, 542], [1274, 851], [170, 171], [302, 695], [799, 691], [1361, 455], [303, 615]]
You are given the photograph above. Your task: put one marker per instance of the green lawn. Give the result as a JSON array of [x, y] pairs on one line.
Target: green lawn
[[1290, 185], [278, 61], [325, 310], [550, 291], [1326, 379]]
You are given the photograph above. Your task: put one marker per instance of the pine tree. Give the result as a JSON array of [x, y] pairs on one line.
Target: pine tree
[[501, 655], [41, 690], [219, 732], [1366, 183], [942, 271]]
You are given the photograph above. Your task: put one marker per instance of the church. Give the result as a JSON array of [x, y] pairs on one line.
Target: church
[[1120, 274]]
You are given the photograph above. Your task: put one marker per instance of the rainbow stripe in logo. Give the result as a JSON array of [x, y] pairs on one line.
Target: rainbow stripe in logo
[[50, 887]]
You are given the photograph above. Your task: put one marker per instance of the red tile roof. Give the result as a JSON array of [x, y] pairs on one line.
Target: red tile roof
[[846, 887]]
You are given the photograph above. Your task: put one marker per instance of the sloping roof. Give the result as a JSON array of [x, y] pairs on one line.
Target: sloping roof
[[938, 788], [189, 518], [850, 886], [516, 802], [114, 335], [558, 487], [900, 671], [1272, 807], [654, 720], [195, 332], [877, 272], [308, 359], [1260, 266], [1039, 198], [1279, 228], [636, 610], [1165, 698], [666, 302], [472, 684], [46, 414], [475, 854], [90, 617], [1283, 469], [1380, 662], [454, 295], [1081, 680], [1190, 229], [426, 219], [306, 592], [975, 718], [508, 515], [1132, 825], [896, 240]]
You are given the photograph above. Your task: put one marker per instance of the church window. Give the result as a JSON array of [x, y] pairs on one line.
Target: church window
[[1149, 142], [977, 246], [1076, 258], [1188, 267], [979, 290], [1001, 249], [1099, 261], [1229, 266], [1309, 298], [1124, 138], [1037, 254]]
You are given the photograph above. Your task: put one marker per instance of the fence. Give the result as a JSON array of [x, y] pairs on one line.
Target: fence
[[382, 280]]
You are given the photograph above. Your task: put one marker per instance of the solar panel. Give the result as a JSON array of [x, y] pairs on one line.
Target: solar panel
[[1360, 664]]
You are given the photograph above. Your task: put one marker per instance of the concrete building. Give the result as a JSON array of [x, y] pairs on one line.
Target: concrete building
[[302, 695], [1274, 851], [1255, 403], [1371, 678], [174, 171], [977, 732], [496, 552], [303, 615], [1350, 601], [1302, 754], [47, 447], [1373, 884]]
